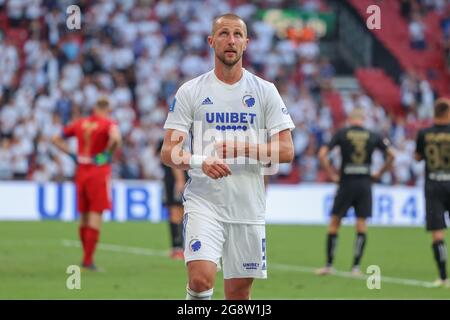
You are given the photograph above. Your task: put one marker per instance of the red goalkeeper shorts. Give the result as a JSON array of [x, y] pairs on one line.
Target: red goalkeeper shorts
[[93, 186]]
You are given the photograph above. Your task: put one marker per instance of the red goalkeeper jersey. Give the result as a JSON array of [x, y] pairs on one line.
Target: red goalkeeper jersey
[[92, 134]]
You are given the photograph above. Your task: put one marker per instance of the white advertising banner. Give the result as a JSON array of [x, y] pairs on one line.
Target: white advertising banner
[[142, 201], [132, 201], [312, 203]]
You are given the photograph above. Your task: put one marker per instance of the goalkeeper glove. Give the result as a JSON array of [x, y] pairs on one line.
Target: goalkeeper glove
[[103, 158]]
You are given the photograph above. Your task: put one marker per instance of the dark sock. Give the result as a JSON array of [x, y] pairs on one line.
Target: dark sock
[[176, 234], [331, 246], [440, 255], [360, 243]]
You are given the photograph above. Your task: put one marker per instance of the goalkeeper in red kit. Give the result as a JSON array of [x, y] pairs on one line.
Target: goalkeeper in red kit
[[98, 137]]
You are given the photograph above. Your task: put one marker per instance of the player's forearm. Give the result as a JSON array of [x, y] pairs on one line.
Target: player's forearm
[[327, 166], [272, 152], [60, 144], [387, 164], [172, 153], [179, 176], [115, 140], [325, 162], [176, 158], [112, 146], [280, 149]]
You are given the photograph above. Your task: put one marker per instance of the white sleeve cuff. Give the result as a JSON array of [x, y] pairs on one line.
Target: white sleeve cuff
[[196, 161]]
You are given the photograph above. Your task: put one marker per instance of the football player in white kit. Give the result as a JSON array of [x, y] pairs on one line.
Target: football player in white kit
[[224, 112]]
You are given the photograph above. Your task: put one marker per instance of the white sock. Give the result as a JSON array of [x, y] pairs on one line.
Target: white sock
[[205, 295]]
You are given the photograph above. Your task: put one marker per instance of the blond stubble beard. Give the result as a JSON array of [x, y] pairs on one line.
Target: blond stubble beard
[[228, 63]]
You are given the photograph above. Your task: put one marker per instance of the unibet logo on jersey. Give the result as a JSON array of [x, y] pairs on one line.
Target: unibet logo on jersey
[[231, 120]]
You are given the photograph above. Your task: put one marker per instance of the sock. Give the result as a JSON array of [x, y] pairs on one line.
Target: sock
[[440, 255], [331, 246], [360, 243], [176, 233], [91, 238], [205, 295]]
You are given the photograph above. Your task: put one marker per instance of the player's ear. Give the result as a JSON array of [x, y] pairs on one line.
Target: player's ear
[[246, 43], [210, 41]]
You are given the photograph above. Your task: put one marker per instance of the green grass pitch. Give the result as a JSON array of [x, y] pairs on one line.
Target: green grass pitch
[[34, 257]]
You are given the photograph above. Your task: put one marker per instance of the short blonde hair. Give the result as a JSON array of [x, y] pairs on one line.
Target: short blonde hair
[[356, 114], [103, 102], [441, 107], [230, 16]]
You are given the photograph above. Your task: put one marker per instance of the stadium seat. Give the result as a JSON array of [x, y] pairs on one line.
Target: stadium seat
[[396, 40], [383, 88]]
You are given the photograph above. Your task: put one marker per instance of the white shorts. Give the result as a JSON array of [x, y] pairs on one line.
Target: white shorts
[[242, 247]]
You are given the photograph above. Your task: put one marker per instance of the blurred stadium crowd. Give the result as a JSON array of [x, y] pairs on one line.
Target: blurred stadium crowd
[[139, 52]]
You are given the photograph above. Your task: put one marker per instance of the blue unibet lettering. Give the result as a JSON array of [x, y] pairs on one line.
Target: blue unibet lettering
[[327, 205], [351, 213], [230, 117], [410, 208], [56, 214], [384, 206], [164, 213], [113, 204], [209, 117], [220, 117], [75, 203], [137, 202], [112, 212]]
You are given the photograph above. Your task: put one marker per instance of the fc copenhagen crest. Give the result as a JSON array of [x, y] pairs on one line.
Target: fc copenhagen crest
[[248, 101]]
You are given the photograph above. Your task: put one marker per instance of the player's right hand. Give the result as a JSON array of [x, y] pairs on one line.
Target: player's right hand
[[215, 168], [335, 178]]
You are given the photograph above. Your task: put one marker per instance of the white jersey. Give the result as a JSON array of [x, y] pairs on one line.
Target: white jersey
[[210, 110]]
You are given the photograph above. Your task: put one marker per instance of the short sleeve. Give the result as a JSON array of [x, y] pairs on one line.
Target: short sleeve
[[420, 143], [276, 113], [335, 140], [382, 143], [69, 130], [112, 125], [180, 115]]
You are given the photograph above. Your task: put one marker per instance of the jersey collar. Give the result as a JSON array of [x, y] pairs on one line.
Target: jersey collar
[[226, 85]]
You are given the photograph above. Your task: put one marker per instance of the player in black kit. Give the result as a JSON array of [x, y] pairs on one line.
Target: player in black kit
[[174, 182], [355, 182], [433, 146]]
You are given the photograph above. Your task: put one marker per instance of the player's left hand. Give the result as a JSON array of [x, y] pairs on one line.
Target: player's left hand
[[376, 176], [335, 178], [230, 149], [102, 158]]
